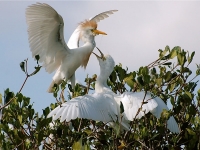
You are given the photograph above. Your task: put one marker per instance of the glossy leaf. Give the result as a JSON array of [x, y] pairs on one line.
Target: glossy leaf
[[191, 57], [22, 66]]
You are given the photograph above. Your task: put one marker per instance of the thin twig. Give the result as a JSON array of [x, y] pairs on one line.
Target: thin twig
[[80, 125], [27, 76], [18, 145]]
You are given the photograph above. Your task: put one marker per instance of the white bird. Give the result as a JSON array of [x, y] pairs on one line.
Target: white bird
[[46, 39], [104, 104]]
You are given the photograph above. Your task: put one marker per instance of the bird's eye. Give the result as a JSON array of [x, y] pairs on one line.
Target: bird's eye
[[92, 30]]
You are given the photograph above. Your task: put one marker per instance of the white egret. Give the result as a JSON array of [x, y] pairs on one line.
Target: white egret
[[46, 39], [104, 104]]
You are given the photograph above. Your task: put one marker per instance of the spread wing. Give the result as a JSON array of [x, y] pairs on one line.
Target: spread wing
[[74, 39], [45, 31], [103, 15], [171, 123], [99, 107], [132, 102]]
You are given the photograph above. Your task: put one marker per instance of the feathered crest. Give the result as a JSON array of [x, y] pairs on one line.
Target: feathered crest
[[87, 23]]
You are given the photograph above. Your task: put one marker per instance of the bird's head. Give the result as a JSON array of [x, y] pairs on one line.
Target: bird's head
[[88, 28], [106, 62]]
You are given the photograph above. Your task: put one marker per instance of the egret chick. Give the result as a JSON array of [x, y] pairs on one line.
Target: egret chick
[[46, 39], [104, 104]]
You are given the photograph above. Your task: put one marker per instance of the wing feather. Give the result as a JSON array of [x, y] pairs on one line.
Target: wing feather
[[171, 123], [97, 107], [74, 39], [133, 101], [45, 31], [103, 15]]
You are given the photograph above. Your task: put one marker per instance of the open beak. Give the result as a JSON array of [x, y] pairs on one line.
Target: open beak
[[100, 57], [97, 32]]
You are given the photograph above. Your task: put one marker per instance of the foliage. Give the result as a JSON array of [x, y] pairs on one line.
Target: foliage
[[169, 77]]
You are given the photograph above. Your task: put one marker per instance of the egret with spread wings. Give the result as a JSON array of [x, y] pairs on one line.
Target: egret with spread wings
[[46, 39], [104, 104]]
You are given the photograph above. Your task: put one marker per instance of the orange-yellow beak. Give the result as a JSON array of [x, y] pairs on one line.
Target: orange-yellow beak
[[97, 32]]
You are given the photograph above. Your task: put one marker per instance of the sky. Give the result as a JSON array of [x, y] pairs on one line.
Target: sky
[[135, 33]]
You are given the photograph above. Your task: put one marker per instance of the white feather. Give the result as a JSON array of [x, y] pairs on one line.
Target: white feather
[[104, 105], [44, 27], [100, 107], [103, 15], [46, 39], [75, 37]]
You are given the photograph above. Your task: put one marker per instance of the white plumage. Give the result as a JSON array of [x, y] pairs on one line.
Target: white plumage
[[45, 30], [96, 106], [104, 104]]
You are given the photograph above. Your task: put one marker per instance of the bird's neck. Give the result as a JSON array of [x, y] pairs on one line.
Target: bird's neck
[[88, 38], [101, 83]]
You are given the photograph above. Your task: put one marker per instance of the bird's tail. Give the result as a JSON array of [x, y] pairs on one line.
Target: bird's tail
[[50, 89]]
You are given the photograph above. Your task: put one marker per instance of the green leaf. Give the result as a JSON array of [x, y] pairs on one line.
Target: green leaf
[[158, 81], [167, 48], [1, 99], [145, 71], [189, 94], [69, 86], [172, 86], [153, 71], [187, 116], [113, 76], [190, 131], [19, 97], [37, 69], [121, 107], [88, 131], [198, 70], [168, 76], [173, 53], [147, 78], [185, 69], [165, 114], [40, 136], [26, 101], [172, 100], [140, 80], [144, 132], [181, 59], [168, 63], [63, 85], [162, 53], [129, 80], [37, 57], [191, 57], [198, 92], [151, 122], [46, 111], [8, 95], [20, 118], [122, 74], [22, 66], [155, 136], [86, 147], [77, 145], [117, 129]]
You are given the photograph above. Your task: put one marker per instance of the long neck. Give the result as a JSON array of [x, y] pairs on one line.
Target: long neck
[[88, 38], [101, 83], [74, 39]]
